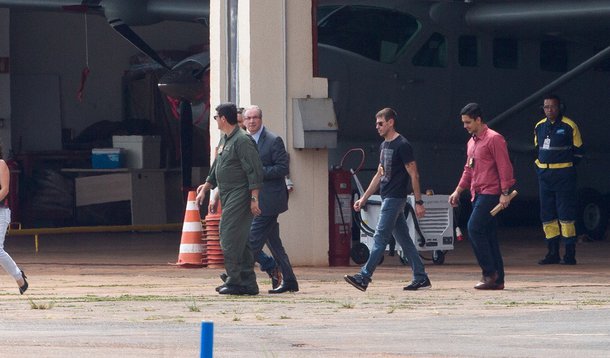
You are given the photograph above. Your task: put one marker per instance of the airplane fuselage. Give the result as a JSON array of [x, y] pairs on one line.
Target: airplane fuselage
[[427, 65]]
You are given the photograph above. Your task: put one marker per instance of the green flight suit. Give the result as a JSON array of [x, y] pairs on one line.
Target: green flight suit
[[236, 170]]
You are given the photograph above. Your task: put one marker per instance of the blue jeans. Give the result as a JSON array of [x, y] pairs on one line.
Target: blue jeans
[[266, 262], [392, 221], [6, 261], [482, 232]]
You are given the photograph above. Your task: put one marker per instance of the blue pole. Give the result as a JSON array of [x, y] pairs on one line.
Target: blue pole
[[207, 339]]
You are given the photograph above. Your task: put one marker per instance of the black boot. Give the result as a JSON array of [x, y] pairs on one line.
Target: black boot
[[552, 256], [570, 256]]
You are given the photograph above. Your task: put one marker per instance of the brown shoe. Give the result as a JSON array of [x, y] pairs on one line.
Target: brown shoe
[[275, 274], [488, 283]]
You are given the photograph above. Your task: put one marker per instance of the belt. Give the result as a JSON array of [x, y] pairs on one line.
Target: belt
[[553, 165]]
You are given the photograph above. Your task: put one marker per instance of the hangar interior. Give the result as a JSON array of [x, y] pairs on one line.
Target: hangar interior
[[52, 131]]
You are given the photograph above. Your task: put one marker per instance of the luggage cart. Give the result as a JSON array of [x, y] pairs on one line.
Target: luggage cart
[[433, 233]]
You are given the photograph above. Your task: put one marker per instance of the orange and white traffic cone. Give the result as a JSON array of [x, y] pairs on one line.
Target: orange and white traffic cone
[[191, 244], [215, 256]]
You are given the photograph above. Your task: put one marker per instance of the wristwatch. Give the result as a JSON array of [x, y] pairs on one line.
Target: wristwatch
[[505, 193], [419, 202], [253, 198]]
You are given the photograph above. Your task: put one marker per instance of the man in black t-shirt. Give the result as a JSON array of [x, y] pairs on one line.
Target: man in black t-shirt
[[396, 168]]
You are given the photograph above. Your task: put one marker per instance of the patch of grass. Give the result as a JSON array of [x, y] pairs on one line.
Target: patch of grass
[[236, 319], [41, 306], [163, 317], [521, 303], [193, 307], [348, 305], [128, 298], [284, 317], [153, 318], [391, 309], [594, 302], [330, 280]]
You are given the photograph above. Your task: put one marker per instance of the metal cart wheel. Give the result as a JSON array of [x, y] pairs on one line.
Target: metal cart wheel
[[438, 257], [360, 253]]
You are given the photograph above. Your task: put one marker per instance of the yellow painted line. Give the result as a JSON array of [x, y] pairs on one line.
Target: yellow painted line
[[92, 229], [88, 229]]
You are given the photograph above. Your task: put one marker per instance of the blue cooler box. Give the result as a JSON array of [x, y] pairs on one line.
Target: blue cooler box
[[106, 158]]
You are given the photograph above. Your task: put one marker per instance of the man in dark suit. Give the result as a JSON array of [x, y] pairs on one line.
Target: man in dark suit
[[273, 197]]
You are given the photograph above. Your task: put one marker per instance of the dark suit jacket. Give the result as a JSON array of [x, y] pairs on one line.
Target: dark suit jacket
[[273, 197]]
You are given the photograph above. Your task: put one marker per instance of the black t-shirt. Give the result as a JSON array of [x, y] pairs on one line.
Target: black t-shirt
[[393, 157]]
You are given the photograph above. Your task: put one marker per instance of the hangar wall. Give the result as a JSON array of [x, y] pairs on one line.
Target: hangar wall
[[5, 82], [54, 43]]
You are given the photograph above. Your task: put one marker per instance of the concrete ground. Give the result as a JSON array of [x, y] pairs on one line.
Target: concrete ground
[[115, 295]]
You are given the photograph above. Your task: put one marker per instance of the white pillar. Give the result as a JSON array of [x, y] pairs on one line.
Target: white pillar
[[219, 75], [275, 66]]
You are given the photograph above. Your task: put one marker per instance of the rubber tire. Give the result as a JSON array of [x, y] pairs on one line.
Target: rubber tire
[[592, 214], [360, 253], [438, 257]]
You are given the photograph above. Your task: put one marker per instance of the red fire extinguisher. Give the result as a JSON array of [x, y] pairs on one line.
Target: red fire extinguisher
[[339, 216]]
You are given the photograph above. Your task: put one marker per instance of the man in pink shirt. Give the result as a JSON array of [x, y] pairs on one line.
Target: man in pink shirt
[[488, 174]]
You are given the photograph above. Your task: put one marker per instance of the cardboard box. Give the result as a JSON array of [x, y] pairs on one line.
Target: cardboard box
[[141, 152], [143, 189], [106, 158]]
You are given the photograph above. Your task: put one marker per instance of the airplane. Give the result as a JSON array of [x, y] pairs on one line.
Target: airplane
[[427, 58]]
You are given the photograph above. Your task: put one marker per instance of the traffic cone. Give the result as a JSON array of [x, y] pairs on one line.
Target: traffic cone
[[215, 257], [458, 234], [191, 244]]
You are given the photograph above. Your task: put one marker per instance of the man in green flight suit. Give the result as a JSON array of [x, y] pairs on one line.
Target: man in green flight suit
[[237, 171]]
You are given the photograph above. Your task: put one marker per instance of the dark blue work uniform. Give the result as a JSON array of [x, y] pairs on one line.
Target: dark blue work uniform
[[559, 147]]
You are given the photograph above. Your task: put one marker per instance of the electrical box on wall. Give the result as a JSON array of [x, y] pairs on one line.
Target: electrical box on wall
[[314, 123]]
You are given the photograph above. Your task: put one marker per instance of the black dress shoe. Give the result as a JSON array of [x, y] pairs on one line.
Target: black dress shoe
[[25, 285], [218, 288], [237, 290], [224, 277], [549, 260], [291, 286]]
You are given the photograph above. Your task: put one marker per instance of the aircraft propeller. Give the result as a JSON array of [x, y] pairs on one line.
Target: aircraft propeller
[[184, 82], [124, 30], [188, 82]]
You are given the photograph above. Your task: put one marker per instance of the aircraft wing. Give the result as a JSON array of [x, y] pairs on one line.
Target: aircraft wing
[[132, 12], [583, 20]]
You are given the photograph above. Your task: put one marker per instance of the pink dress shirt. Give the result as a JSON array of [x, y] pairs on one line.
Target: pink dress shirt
[[491, 171]]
